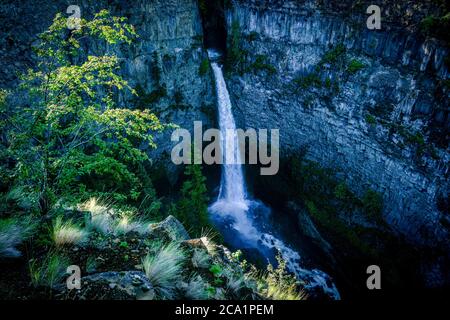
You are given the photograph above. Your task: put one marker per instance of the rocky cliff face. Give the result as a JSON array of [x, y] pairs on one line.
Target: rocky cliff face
[[371, 104]]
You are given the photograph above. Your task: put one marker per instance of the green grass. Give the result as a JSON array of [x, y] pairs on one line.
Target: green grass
[[127, 223], [164, 269], [68, 233], [48, 271], [200, 258], [197, 288], [13, 232]]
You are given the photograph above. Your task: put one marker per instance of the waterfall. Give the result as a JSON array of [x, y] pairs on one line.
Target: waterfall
[[244, 222], [232, 186]]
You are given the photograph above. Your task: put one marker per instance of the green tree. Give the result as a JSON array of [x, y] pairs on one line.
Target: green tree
[[235, 55], [192, 209], [71, 137]]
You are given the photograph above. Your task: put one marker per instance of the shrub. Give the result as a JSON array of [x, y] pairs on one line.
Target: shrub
[[164, 269], [354, 66], [278, 284], [150, 205], [70, 136], [261, 64], [416, 138], [68, 233], [436, 26], [235, 55], [370, 119], [429, 24], [216, 270], [192, 209], [49, 271], [342, 192], [372, 202], [334, 55], [12, 233], [307, 81], [204, 67]]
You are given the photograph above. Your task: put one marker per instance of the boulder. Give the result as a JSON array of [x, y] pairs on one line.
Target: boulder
[[171, 228], [113, 285]]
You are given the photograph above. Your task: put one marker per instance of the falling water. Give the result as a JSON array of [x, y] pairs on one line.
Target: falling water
[[245, 220], [232, 187]]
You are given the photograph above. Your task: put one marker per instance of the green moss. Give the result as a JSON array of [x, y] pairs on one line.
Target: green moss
[[342, 192], [355, 66], [204, 67], [372, 203], [416, 138], [252, 36], [261, 64], [330, 222], [370, 119], [308, 81], [334, 55]]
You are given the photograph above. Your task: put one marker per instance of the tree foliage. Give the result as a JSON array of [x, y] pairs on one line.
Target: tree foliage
[[70, 136]]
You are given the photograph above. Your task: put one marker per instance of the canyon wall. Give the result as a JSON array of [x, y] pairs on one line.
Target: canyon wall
[[371, 104], [383, 125]]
